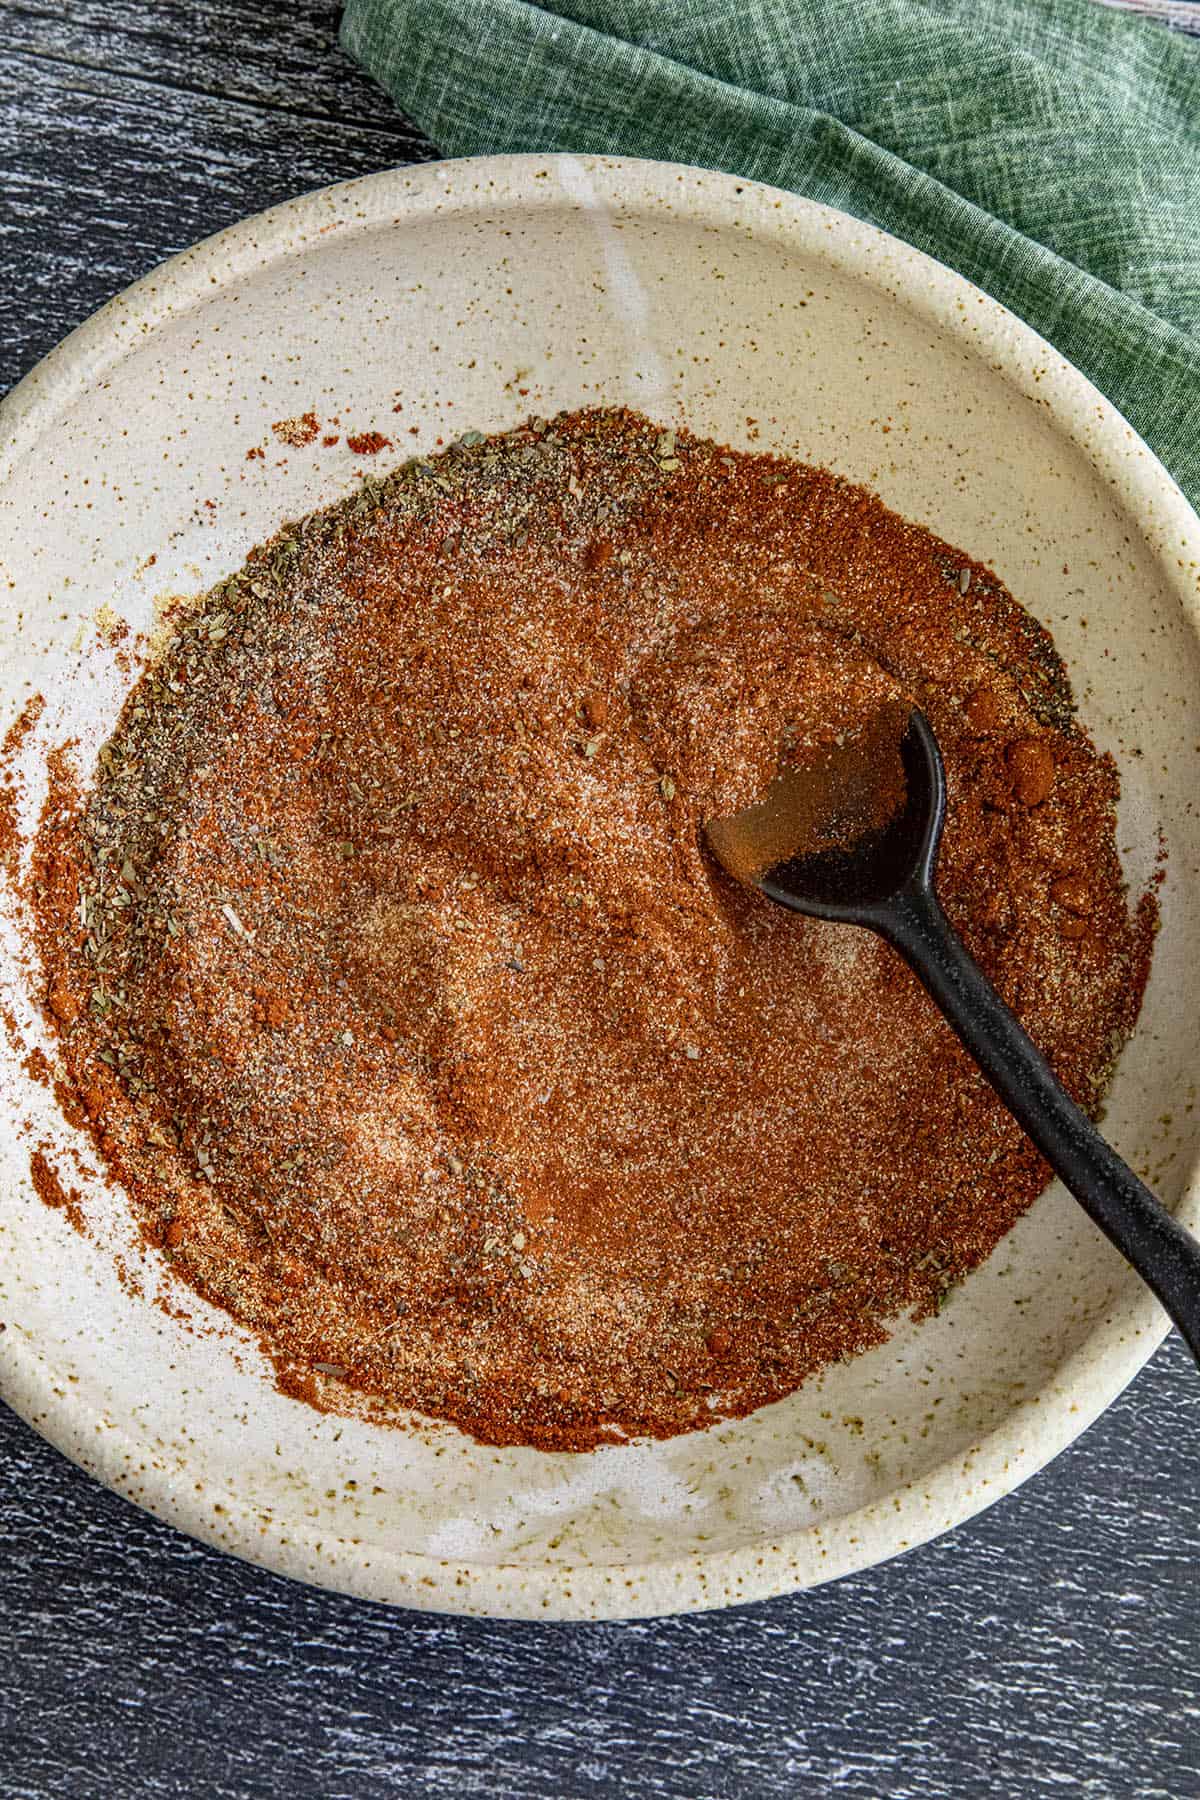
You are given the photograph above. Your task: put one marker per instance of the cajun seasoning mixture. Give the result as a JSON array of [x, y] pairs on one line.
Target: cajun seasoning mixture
[[426, 1038]]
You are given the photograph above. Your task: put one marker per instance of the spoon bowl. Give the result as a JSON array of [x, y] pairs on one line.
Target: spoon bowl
[[847, 883]]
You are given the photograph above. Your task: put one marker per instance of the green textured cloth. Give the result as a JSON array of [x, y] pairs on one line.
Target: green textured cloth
[[1047, 149]]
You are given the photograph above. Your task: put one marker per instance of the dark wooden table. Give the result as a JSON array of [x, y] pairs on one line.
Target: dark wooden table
[[1050, 1647]]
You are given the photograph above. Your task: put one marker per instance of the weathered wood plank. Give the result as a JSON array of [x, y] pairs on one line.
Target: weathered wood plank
[[104, 175], [283, 56], [1182, 15]]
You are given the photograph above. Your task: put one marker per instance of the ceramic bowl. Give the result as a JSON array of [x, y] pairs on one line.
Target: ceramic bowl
[[420, 303]]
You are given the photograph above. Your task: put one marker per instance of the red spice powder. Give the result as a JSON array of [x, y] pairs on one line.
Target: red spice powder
[[299, 432], [50, 1189], [367, 443], [14, 742], [390, 968]]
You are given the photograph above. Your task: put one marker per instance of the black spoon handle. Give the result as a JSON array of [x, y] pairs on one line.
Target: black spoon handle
[[1164, 1254]]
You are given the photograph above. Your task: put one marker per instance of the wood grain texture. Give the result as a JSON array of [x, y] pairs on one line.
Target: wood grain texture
[[282, 56], [1181, 15], [1050, 1647], [104, 174]]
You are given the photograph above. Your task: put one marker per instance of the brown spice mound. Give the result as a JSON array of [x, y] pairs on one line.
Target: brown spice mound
[[423, 1033]]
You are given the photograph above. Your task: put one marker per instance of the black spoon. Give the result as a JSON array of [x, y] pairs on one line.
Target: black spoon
[[885, 881]]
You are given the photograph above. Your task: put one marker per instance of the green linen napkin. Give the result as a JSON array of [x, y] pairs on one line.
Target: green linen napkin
[[1047, 149]]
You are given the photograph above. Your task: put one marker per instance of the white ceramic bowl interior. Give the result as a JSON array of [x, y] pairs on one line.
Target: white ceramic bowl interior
[[470, 295]]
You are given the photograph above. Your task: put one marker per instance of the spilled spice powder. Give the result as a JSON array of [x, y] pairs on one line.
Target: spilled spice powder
[[50, 1189], [11, 747], [367, 443], [298, 432], [425, 1037]]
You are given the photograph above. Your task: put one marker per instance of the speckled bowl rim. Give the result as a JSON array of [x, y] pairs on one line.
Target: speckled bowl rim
[[1092, 1377]]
